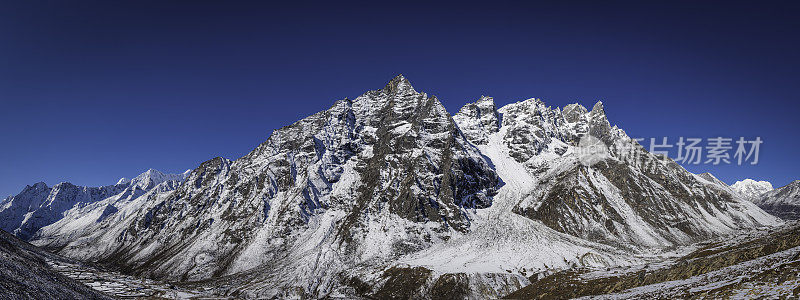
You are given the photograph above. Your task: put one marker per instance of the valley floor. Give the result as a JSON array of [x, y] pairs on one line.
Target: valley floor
[[124, 286], [760, 264]]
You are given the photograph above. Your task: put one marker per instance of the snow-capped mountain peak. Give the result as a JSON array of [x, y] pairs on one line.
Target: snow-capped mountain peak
[[598, 108], [751, 189], [399, 84], [153, 177]]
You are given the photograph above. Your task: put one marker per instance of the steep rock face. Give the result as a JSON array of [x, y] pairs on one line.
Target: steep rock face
[[345, 180], [751, 189], [783, 202], [594, 182]]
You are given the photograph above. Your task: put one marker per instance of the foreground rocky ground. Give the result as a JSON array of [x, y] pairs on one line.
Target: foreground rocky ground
[[762, 264], [25, 275], [28, 272]]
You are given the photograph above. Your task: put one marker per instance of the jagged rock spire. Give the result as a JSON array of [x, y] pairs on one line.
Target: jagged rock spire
[[573, 112], [598, 108], [398, 84]]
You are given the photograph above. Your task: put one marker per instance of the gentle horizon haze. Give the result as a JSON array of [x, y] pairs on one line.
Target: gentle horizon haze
[[91, 91]]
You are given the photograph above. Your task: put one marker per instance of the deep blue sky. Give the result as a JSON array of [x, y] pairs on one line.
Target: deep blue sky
[[93, 91]]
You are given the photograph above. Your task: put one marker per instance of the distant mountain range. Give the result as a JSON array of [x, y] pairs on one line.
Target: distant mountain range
[[389, 196], [38, 206], [783, 202]]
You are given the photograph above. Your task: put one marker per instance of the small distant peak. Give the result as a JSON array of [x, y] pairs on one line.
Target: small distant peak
[[710, 177], [123, 180], [573, 112], [144, 176], [486, 101], [576, 107], [534, 100], [150, 174], [63, 184], [397, 84], [484, 104], [36, 186], [598, 107], [598, 113], [153, 177], [153, 171], [707, 174]]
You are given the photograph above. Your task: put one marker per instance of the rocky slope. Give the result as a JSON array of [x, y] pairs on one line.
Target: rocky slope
[[713, 180], [388, 196], [762, 264], [25, 274]]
